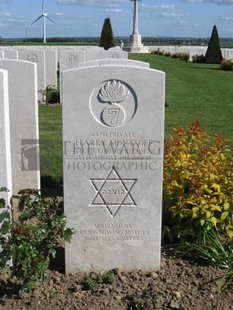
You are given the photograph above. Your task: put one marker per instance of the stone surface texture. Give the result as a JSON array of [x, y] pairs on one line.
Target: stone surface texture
[[113, 131], [24, 131], [37, 57], [5, 153]]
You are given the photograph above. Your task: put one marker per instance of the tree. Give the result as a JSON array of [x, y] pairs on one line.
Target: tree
[[107, 38], [213, 54]]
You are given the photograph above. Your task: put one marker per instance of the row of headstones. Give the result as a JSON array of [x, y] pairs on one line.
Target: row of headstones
[[113, 131], [22, 78], [47, 60], [227, 53], [18, 126]]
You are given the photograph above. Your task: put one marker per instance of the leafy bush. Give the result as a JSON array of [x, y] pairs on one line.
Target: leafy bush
[[198, 58], [226, 65], [175, 55], [167, 54], [158, 52], [198, 185], [5, 228], [184, 56], [161, 53], [155, 52], [52, 95], [34, 237]]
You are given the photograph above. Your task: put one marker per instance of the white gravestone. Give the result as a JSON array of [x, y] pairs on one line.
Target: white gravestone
[[122, 62], [5, 153], [95, 53], [113, 132], [37, 57], [10, 54], [70, 59], [115, 53], [24, 132], [51, 67]]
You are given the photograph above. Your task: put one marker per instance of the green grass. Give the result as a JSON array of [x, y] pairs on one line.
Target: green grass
[[193, 91], [50, 127]]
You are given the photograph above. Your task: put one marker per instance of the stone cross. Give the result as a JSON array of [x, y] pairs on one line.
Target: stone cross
[[135, 39], [135, 17]]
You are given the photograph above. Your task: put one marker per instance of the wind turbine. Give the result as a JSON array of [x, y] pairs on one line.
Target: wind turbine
[[44, 17]]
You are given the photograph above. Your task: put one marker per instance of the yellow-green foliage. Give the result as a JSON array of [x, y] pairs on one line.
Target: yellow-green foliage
[[167, 54], [184, 56], [175, 55], [226, 65], [198, 184]]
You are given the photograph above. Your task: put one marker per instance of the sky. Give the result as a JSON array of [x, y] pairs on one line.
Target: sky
[[157, 18]]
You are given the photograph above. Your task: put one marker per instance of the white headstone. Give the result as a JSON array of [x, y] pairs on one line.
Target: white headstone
[[37, 57], [70, 59], [122, 62], [24, 132], [115, 53], [51, 67], [113, 132], [5, 153], [10, 54], [95, 53]]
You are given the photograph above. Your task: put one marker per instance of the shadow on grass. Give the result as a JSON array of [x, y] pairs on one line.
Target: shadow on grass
[[51, 186], [205, 68]]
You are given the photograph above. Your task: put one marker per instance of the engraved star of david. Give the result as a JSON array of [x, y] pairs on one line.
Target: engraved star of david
[[113, 192]]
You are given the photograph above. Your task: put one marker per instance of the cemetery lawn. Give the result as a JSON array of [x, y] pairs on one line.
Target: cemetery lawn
[[50, 128], [193, 92]]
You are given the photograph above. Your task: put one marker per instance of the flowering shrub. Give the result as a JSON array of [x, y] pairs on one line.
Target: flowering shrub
[[184, 56], [198, 58], [198, 185], [226, 65]]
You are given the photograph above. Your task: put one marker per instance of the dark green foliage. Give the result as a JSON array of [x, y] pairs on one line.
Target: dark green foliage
[[226, 65], [91, 281], [33, 238], [143, 300], [52, 95], [214, 54], [198, 59], [107, 38]]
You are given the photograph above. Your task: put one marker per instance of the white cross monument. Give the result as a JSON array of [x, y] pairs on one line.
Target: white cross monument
[[135, 45]]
